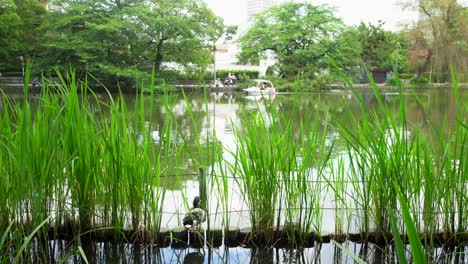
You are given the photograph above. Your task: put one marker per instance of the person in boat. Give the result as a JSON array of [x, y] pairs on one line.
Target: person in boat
[[228, 80], [264, 86], [233, 79]]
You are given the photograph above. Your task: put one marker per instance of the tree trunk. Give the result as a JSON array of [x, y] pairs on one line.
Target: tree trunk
[[159, 57], [422, 69]]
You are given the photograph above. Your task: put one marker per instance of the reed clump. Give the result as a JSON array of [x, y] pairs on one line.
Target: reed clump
[[278, 168], [428, 169], [84, 161]]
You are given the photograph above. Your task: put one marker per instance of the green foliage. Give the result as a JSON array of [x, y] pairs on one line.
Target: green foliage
[[299, 35], [413, 81], [275, 186], [29, 238], [379, 46], [399, 57], [241, 75], [349, 253], [10, 25], [405, 75], [441, 35], [110, 172], [320, 82], [416, 248], [427, 183], [419, 82], [19, 20], [123, 40], [391, 82]]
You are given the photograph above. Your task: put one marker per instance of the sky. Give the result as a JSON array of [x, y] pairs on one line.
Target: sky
[[352, 12]]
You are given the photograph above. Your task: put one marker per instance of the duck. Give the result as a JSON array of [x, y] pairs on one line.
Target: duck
[[195, 216]]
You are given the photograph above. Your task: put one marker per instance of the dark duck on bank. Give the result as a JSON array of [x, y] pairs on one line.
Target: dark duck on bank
[[195, 216]]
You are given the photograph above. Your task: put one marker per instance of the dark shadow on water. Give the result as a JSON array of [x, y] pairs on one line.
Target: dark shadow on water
[[110, 253]]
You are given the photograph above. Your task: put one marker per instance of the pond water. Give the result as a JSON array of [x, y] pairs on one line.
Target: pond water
[[112, 253]]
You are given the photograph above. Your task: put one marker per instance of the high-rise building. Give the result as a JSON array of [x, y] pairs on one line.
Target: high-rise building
[[226, 53], [255, 7]]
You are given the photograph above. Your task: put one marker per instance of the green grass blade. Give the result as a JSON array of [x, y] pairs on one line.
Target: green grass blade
[[463, 125], [455, 85], [2, 241], [414, 239], [83, 255], [349, 253], [400, 249], [28, 238], [65, 258]]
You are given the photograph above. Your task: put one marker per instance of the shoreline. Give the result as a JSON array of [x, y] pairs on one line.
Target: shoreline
[[18, 88]]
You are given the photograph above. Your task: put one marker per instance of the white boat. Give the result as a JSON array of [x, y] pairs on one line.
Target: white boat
[[260, 87]]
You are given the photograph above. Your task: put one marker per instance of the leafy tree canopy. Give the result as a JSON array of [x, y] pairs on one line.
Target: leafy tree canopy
[[126, 38], [10, 25], [19, 20], [300, 35], [440, 35], [379, 46]]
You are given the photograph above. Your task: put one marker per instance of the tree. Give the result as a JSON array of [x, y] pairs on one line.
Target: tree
[[126, 38], [177, 31], [441, 33], [380, 47], [10, 26], [300, 35], [19, 20]]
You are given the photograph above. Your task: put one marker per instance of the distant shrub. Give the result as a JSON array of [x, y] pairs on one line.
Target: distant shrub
[[421, 82], [168, 76], [391, 82], [406, 75], [241, 75], [270, 71], [321, 81]]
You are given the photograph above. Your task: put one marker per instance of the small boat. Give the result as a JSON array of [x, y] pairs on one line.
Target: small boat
[[260, 87]]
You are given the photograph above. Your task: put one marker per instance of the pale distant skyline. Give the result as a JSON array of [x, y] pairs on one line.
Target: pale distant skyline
[[352, 12]]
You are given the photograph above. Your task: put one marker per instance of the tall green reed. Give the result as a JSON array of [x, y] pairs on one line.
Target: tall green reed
[[428, 168], [278, 168], [74, 155], [258, 168]]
